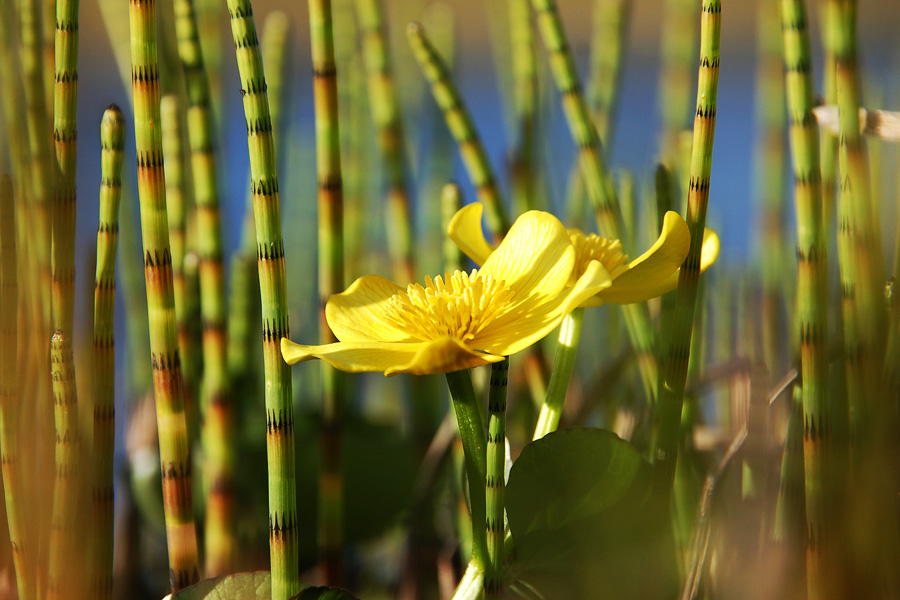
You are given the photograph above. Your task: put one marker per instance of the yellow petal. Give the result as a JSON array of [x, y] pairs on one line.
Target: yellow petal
[[517, 330], [443, 356], [708, 254], [535, 258], [648, 275], [465, 231], [359, 314], [419, 358]]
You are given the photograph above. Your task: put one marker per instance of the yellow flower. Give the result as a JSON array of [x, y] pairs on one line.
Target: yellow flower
[[462, 320], [652, 274]]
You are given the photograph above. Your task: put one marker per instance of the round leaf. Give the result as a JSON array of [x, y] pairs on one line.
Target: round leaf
[[584, 522]]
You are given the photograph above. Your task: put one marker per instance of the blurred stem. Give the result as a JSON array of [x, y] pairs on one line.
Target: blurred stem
[[331, 281], [563, 363], [9, 393], [471, 431], [459, 121]]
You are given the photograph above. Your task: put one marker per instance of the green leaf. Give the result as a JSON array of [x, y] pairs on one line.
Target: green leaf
[[238, 586], [584, 522], [324, 593]]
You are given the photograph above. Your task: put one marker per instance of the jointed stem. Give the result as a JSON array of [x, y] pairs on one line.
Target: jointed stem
[[495, 482]]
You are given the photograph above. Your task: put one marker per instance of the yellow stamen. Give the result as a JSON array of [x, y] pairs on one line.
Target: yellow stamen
[[593, 247], [459, 307]]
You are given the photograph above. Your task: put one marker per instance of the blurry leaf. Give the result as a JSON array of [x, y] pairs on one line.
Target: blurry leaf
[[238, 586], [584, 523], [324, 593]]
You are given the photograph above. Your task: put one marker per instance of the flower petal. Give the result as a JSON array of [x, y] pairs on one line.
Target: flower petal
[[359, 314], [615, 295], [651, 270], [443, 356], [466, 232], [519, 329], [419, 358], [535, 258]]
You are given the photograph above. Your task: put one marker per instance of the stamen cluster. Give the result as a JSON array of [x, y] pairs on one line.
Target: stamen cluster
[[458, 305], [593, 247]]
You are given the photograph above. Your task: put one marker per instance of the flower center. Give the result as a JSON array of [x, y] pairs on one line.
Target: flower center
[[593, 247], [459, 307]]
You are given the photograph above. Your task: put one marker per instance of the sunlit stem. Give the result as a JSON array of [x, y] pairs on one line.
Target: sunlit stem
[[495, 483], [470, 586], [471, 431], [563, 363]]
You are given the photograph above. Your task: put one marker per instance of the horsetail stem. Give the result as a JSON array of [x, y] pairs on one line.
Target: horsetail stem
[[859, 240], [523, 55], [607, 52], [187, 304], [460, 124], [578, 118], [65, 98], [112, 139], [166, 363], [828, 148], [48, 10], [39, 136], [495, 482], [331, 279], [274, 47], [66, 572], [390, 137], [671, 394], [770, 165], [677, 51], [216, 404], [9, 394], [790, 509], [563, 363], [599, 185], [283, 540], [812, 285]]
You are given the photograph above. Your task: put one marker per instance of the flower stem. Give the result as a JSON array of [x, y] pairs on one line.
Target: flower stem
[[563, 363], [495, 482], [112, 136], [471, 431]]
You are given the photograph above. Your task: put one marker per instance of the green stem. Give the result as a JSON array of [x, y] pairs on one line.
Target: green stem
[[593, 168], [677, 50], [9, 393], [218, 438], [471, 432], [331, 280], [459, 121], [563, 363], [812, 286], [607, 52], [495, 482], [283, 538], [167, 382], [525, 100], [112, 138], [65, 97], [386, 116], [671, 395], [65, 574]]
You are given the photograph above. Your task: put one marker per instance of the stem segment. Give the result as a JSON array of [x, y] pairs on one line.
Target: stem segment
[[563, 363], [495, 482]]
